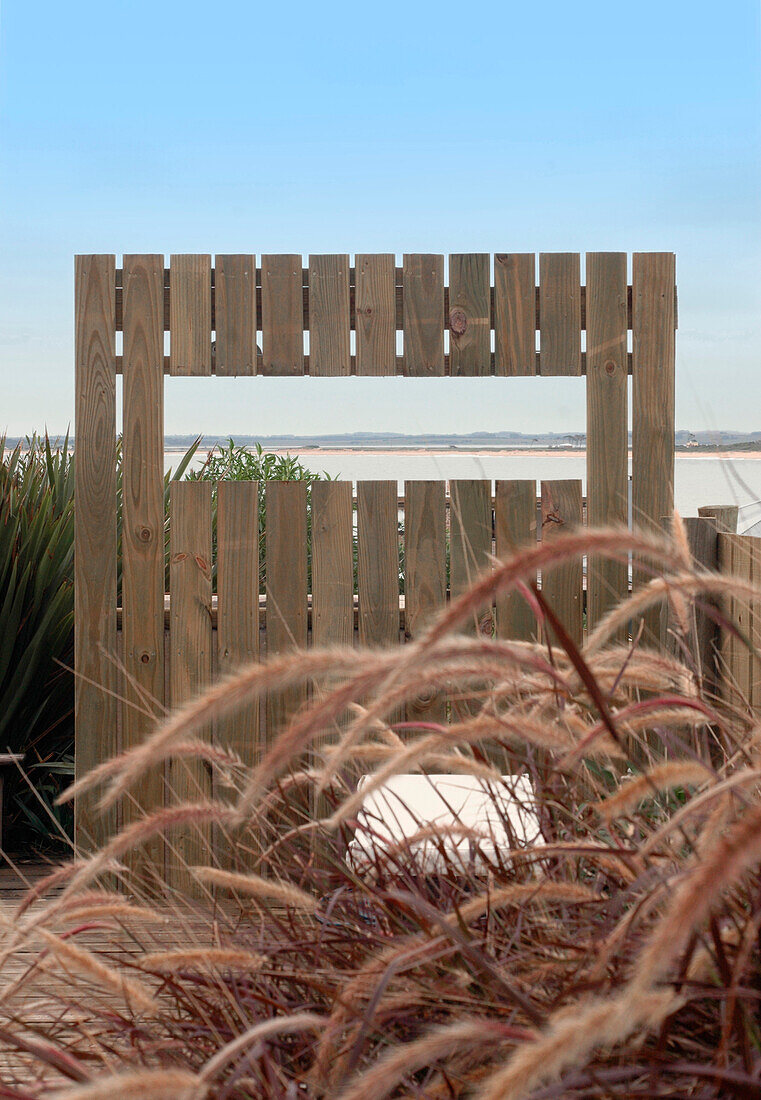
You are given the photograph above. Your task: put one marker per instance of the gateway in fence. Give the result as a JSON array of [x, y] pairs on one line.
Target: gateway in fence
[[154, 649]]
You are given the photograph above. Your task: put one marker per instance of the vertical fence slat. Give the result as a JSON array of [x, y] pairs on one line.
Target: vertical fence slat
[[282, 315], [560, 313], [190, 315], [238, 636], [286, 577], [469, 314], [425, 576], [470, 536], [235, 314], [95, 533], [238, 603], [515, 313], [607, 423], [562, 586], [332, 564], [423, 315], [375, 310], [378, 562], [653, 361], [329, 320], [514, 529], [143, 579], [189, 659]]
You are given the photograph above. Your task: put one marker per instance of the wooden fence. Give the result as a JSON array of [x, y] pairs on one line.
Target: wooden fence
[[335, 318]]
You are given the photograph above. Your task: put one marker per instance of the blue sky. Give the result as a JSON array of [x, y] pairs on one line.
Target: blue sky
[[129, 127]]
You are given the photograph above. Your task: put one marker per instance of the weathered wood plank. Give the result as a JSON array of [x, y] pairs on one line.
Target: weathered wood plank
[[378, 563], [514, 529], [607, 423], [329, 329], [235, 315], [469, 314], [376, 314], [423, 315], [282, 316], [95, 535], [653, 368], [470, 540], [189, 661], [562, 585], [560, 313], [238, 603], [332, 564], [143, 530], [286, 585], [515, 313], [190, 315], [425, 576]]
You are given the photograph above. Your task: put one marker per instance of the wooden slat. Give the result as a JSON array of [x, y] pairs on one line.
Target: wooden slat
[[235, 315], [607, 423], [190, 315], [514, 529], [238, 644], [238, 603], [143, 579], [423, 315], [189, 661], [425, 576], [329, 328], [653, 353], [376, 314], [469, 314], [332, 564], [470, 540], [515, 313], [560, 313], [562, 585], [282, 316], [95, 535], [378, 563], [286, 557]]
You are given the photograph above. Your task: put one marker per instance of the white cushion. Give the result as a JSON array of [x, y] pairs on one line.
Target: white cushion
[[405, 804]]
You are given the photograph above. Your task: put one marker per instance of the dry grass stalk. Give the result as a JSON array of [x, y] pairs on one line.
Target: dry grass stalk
[[146, 1084], [208, 960], [254, 886], [84, 962], [663, 777]]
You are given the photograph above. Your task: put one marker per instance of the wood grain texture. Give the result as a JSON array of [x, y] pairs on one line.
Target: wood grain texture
[[238, 604], [332, 564], [653, 369], [190, 315], [378, 563], [423, 315], [329, 317], [515, 528], [375, 314], [515, 313], [469, 314], [95, 711], [235, 319], [560, 313], [190, 662], [470, 541], [143, 531], [286, 571], [282, 316], [607, 423], [740, 556], [562, 585], [425, 576]]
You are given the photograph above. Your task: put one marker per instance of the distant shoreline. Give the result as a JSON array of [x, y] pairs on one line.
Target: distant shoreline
[[476, 452]]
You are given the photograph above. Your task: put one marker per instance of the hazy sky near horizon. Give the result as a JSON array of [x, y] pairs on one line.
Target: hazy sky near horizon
[[401, 127]]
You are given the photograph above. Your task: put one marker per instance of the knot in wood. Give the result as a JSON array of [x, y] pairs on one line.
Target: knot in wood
[[610, 367], [145, 657], [145, 534], [458, 321]]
